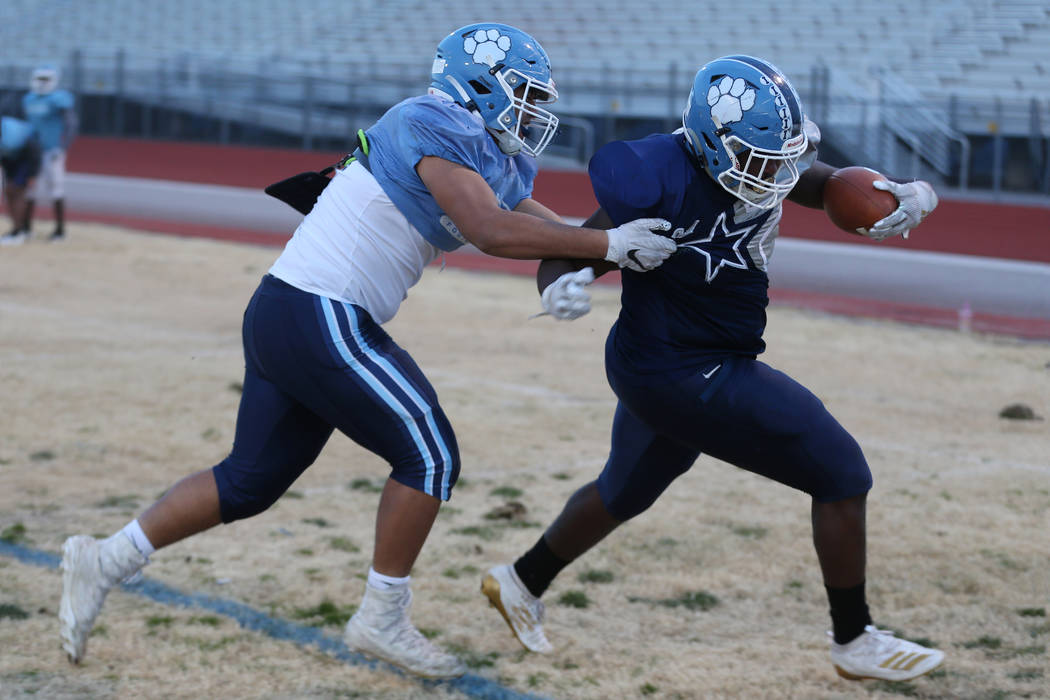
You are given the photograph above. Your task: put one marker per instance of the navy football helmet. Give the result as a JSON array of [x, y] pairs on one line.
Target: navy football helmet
[[502, 73], [744, 121]]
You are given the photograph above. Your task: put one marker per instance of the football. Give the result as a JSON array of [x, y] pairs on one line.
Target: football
[[851, 202]]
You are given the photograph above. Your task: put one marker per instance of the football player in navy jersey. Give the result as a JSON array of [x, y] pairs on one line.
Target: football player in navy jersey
[[435, 172], [681, 357]]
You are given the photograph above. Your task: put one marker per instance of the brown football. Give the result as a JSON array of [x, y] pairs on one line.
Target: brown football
[[851, 202]]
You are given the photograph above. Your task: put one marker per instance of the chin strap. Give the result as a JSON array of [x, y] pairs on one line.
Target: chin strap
[[507, 143]]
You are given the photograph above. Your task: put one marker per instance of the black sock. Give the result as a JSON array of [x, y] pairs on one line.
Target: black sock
[[849, 612], [538, 567], [60, 216]]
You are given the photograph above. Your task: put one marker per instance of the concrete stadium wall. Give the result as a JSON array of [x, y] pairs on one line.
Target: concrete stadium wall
[[963, 227]]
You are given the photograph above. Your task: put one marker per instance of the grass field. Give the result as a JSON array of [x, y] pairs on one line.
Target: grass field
[[120, 371]]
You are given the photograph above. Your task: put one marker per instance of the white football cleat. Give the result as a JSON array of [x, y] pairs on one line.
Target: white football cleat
[[90, 568], [17, 237], [878, 654], [523, 611], [381, 629]]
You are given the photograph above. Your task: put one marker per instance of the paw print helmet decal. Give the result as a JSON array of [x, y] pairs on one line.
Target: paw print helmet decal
[[503, 74], [744, 121]]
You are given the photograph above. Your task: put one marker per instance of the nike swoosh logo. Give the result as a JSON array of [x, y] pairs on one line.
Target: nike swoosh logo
[[707, 375], [633, 255]]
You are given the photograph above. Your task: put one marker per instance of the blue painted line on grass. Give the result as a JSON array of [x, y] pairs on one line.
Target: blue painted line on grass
[[301, 635]]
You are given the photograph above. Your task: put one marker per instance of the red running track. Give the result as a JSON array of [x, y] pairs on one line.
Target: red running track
[[962, 227]]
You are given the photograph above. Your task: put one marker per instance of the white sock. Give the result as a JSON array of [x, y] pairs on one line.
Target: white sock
[[134, 532], [382, 582]]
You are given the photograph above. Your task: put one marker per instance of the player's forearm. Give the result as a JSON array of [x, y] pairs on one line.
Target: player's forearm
[[509, 234], [551, 269], [809, 190]]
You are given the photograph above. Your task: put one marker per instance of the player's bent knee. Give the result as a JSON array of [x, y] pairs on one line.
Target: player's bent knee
[[631, 493], [243, 494], [235, 505], [436, 478], [849, 480], [623, 511], [624, 505], [846, 492]]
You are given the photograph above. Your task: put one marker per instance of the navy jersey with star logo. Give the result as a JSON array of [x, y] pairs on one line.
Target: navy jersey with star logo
[[708, 300]]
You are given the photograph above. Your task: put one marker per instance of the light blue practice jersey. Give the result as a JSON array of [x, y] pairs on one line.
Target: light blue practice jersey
[[47, 115], [431, 126], [14, 133]]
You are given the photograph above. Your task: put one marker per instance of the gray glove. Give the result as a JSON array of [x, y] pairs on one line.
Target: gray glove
[[917, 199], [567, 298], [634, 245]]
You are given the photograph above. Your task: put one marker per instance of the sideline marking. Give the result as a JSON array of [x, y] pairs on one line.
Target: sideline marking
[[471, 685]]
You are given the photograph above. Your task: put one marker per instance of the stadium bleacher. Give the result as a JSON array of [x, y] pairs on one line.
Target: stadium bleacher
[[939, 46], [966, 66]]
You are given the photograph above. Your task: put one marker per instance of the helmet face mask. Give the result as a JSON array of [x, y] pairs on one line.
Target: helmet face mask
[[503, 74], [762, 177], [530, 126], [744, 121]]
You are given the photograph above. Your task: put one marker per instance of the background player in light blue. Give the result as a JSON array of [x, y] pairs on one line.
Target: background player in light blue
[[435, 172], [20, 163], [51, 112], [681, 358]]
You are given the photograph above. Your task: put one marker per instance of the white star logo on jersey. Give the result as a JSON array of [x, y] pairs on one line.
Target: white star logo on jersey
[[719, 229]]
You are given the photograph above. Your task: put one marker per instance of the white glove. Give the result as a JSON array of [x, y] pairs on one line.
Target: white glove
[[917, 199], [567, 298], [635, 246]]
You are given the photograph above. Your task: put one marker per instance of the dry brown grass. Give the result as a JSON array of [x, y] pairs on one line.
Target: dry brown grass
[[117, 355]]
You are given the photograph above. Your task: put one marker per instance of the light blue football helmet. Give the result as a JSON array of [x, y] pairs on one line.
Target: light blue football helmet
[[501, 73], [745, 123]]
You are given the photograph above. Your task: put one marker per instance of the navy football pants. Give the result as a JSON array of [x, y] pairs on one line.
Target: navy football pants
[[758, 419], [312, 365]]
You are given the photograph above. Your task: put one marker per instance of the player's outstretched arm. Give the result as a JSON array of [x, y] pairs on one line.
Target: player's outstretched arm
[[916, 199], [469, 201]]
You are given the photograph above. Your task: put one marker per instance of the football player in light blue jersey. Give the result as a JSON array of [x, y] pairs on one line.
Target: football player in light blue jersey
[[437, 171], [20, 163], [51, 113], [682, 357]]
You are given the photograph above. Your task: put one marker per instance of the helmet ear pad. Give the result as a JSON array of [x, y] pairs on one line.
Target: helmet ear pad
[[744, 122], [501, 73]]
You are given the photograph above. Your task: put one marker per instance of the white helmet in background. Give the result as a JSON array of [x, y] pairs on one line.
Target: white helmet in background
[[44, 80]]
